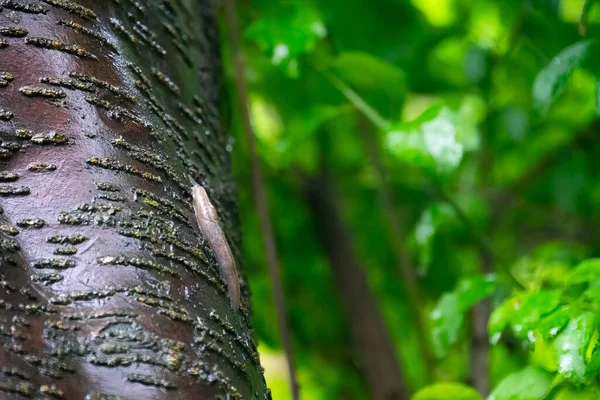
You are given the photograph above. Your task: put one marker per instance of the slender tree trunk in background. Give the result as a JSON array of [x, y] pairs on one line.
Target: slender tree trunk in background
[[398, 240], [370, 337], [260, 197], [480, 344], [107, 108]]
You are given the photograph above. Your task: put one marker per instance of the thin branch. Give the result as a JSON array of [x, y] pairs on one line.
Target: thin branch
[[358, 102], [260, 197]]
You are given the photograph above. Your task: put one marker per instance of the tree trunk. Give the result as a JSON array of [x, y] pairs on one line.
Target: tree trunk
[[371, 340], [107, 109]]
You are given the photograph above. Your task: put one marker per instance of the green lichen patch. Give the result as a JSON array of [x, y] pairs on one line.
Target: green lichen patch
[[24, 133], [51, 44], [5, 78], [55, 138], [82, 29], [8, 190], [8, 176], [69, 239], [41, 167], [150, 381], [47, 279], [65, 251], [9, 230], [23, 6], [68, 83], [13, 31], [34, 91], [53, 263], [136, 262], [6, 115], [31, 223], [73, 8], [107, 187]]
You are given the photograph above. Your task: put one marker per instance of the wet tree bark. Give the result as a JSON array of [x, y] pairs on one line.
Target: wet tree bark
[[371, 340], [107, 290]]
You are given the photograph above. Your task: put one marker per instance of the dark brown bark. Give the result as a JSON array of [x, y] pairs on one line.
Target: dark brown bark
[[371, 339], [107, 287]]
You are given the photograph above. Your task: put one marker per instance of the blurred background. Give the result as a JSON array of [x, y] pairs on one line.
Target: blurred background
[[428, 163]]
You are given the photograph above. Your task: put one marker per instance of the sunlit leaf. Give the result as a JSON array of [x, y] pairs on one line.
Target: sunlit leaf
[[529, 312], [543, 353], [500, 318], [448, 315], [573, 394], [571, 345], [447, 390], [429, 142], [552, 80], [528, 384], [551, 325], [446, 322], [425, 230], [586, 271]]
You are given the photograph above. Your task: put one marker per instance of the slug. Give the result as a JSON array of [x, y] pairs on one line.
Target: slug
[[208, 222]]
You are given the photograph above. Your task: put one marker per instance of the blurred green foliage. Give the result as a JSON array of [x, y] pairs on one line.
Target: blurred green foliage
[[495, 104]]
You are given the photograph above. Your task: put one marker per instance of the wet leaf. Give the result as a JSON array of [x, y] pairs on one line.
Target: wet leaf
[[552, 80], [429, 142], [448, 316], [447, 390], [552, 324], [586, 271], [500, 318], [446, 322], [571, 345], [528, 384], [432, 218], [533, 307]]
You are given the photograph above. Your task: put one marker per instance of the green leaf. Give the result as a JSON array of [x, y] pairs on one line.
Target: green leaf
[[571, 345], [472, 290], [500, 318], [572, 394], [448, 315], [594, 363], [446, 322], [585, 11], [432, 218], [447, 390], [552, 80], [597, 96], [430, 142], [533, 307], [286, 34], [586, 271], [528, 384], [552, 324]]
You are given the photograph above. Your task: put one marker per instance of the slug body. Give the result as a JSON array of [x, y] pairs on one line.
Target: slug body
[[208, 222]]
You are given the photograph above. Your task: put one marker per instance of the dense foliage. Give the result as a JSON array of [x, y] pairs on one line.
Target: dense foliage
[[486, 114]]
